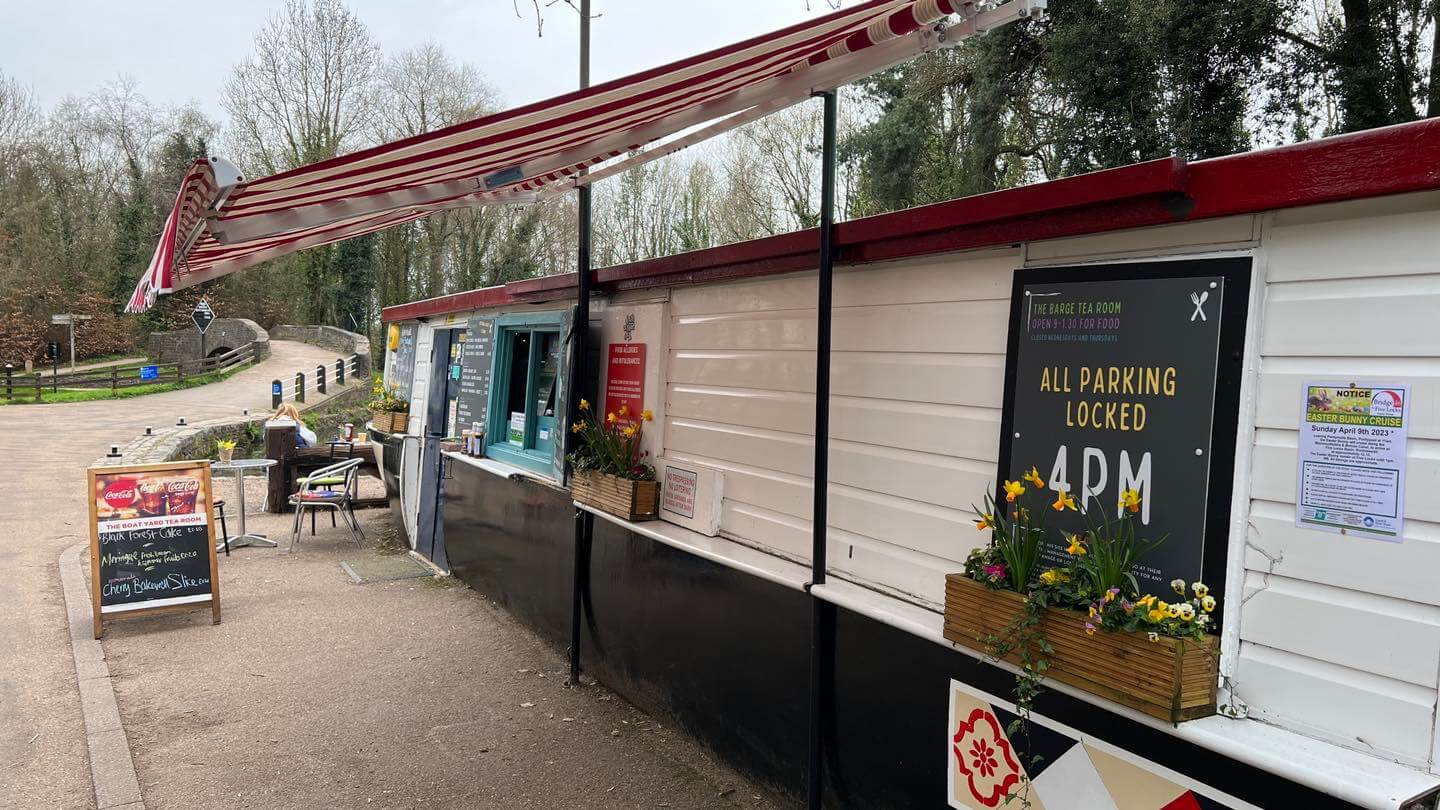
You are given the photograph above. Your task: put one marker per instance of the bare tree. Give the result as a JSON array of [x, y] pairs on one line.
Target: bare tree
[[19, 119], [420, 90], [307, 91]]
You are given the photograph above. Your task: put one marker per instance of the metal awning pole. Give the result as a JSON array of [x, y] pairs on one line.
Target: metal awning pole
[[822, 614], [584, 521]]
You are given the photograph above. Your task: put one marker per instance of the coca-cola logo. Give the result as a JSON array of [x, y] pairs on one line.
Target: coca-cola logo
[[182, 485], [120, 494]]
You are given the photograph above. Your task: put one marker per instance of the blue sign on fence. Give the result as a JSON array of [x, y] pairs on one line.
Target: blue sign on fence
[[149, 372], [275, 388]]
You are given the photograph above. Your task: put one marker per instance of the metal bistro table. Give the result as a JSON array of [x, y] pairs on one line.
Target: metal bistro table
[[239, 466]]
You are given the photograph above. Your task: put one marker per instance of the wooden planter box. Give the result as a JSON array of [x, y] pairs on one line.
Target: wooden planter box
[[622, 497], [1172, 679], [390, 421]]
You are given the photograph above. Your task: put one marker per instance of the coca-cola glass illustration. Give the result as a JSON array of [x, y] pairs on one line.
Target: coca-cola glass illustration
[[180, 495], [152, 498]]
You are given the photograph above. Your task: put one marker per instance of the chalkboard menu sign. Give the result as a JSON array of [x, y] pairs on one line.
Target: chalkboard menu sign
[[152, 540], [1126, 377], [402, 363], [472, 405]]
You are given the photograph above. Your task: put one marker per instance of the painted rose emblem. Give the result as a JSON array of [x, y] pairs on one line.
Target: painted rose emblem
[[985, 758]]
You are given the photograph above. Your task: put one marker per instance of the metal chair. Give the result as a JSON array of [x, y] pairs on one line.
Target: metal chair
[[310, 496]]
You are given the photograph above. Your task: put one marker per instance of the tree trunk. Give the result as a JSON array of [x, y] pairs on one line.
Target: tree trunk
[[1433, 103], [1363, 100]]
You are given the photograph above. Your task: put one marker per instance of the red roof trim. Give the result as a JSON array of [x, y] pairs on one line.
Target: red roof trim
[[1392, 160]]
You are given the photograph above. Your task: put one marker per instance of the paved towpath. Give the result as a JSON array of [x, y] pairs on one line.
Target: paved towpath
[[44, 450]]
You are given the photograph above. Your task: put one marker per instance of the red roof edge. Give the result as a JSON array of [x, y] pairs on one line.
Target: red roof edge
[[1379, 162]]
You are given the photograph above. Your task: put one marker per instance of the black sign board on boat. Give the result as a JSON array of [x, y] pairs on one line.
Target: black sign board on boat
[[1126, 377]]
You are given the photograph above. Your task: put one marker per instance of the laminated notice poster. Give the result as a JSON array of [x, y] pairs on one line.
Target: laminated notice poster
[[1351, 478]]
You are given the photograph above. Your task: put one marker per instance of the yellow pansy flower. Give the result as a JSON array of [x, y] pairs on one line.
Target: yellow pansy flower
[[1013, 490], [1173, 611], [1053, 576], [1200, 588], [1207, 603], [1155, 615], [1034, 477], [1063, 501]]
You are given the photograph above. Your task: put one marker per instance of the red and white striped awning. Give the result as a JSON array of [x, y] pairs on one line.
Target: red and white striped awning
[[221, 223]]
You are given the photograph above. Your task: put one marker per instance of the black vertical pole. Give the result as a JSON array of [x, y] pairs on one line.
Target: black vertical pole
[[580, 331], [820, 641]]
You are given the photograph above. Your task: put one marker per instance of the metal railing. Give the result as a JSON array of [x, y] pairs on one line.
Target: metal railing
[[124, 376], [296, 388]]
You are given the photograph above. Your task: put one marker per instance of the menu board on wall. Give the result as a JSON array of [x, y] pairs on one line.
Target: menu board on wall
[[152, 540], [472, 404], [402, 367], [1126, 377]]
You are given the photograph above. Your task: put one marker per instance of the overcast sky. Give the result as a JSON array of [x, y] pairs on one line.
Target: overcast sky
[[181, 50]]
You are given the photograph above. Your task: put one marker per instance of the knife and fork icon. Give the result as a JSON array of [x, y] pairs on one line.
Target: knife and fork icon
[[1199, 299]]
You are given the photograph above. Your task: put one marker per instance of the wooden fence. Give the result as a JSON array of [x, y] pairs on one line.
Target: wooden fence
[[35, 385]]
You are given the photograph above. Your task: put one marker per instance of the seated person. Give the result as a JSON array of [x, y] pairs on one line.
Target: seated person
[[304, 436]]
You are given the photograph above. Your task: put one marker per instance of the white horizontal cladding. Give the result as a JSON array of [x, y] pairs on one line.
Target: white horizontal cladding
[[917, 381], [1282, 378], [1164, 240], [1372, 317], [759, 370], [1340, 636], [1346, 240], [1341, 626], [968, 327], [1277, 454], [1349, 707], [1404, 570]]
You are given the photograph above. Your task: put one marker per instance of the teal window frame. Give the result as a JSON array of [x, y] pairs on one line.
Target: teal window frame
[[506, 328]]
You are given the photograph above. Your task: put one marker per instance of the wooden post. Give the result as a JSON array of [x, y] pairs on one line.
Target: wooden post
[[319, 379], [299, 386], [279, 445], [39, 387], [114, 378], [9, 383], [339, 371]]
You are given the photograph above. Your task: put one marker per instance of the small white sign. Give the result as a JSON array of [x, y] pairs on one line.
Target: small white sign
[[1351, 476], [690, 496], [517, 428]]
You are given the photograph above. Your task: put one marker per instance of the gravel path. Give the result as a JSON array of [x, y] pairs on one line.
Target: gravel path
[[317, 692], [46, 449]]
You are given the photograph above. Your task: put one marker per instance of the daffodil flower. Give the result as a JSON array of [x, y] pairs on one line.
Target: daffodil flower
[[1076, 548], [986, 521], [1063, 501], [1130, 499], [629, 431], [1013, 490], [584, 404], [611, 418], [624, 410], [1034, 477], [647, 415], [578, 426]]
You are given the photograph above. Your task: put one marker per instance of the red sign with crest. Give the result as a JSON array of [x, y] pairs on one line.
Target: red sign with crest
[[625, 381]]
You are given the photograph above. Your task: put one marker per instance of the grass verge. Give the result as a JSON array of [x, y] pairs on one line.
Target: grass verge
[[56, 397]]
